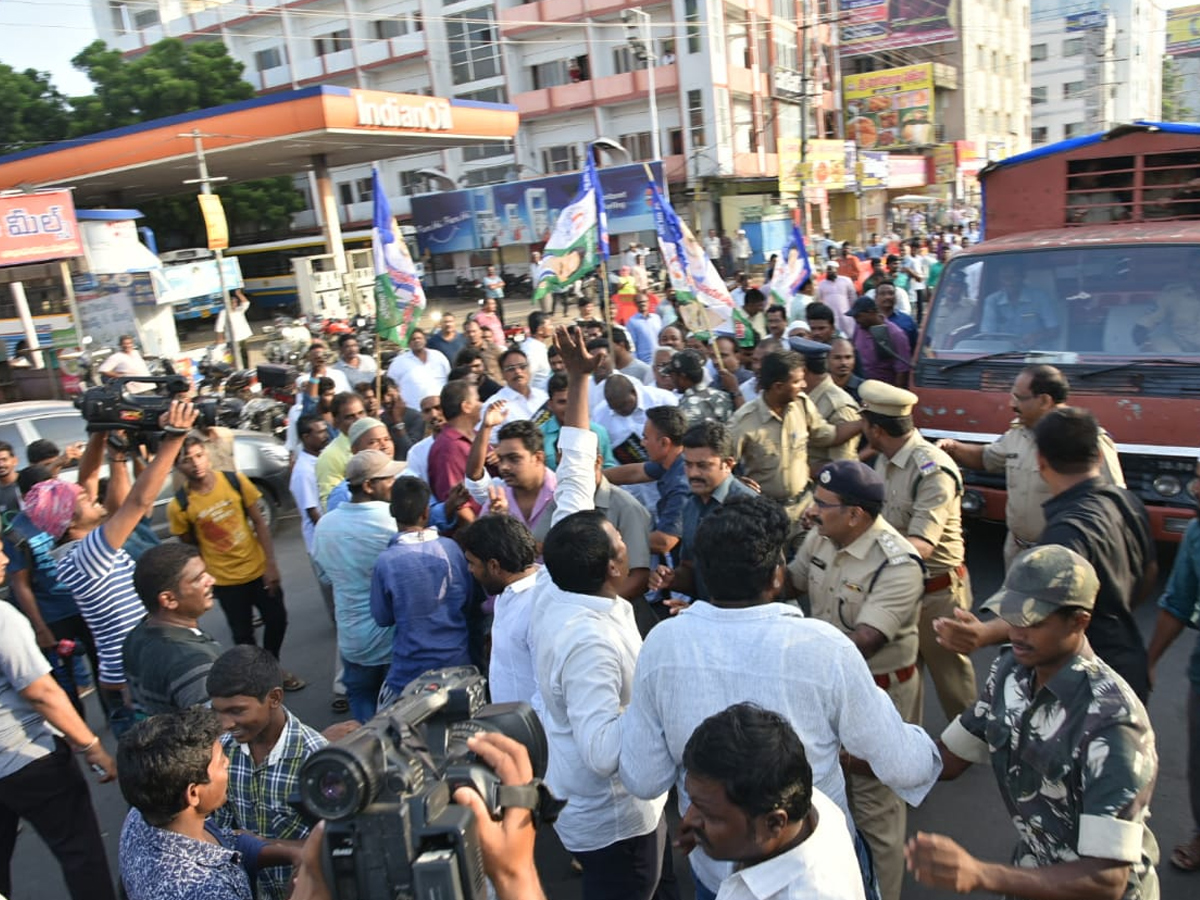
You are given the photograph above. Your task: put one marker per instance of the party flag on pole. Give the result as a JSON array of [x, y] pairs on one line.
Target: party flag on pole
[[399, 297], [792, 269], [571, 252]]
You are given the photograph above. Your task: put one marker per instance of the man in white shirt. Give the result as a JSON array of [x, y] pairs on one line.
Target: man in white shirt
[[319, 366], [501, 553], [806, 670], [417, 361], [838, 293], [523, 399], [585, 644], [418, 453], [536, 348], [753, 804], [125, 363]]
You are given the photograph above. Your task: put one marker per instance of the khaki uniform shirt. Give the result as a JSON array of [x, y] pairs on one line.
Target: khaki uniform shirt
[[923, 500], [773, 450], [875, 580], [837, 406], [1015, 454]]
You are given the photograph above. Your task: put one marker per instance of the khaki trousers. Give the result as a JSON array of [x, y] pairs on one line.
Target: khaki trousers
[[953, 674], [879, 814]]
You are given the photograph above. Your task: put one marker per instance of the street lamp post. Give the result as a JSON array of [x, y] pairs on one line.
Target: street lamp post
[[637, 28]]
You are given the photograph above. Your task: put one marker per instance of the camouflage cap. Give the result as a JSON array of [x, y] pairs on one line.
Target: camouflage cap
[[1041, 581]]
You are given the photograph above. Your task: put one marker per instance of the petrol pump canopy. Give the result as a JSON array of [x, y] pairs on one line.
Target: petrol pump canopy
[[278, 134]]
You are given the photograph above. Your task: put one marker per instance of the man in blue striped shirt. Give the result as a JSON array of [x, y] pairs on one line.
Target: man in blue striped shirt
[[91, 561]]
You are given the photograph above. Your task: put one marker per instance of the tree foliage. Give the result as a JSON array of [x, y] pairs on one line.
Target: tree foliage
[[32, 111], [1175, 106], [170, 78]]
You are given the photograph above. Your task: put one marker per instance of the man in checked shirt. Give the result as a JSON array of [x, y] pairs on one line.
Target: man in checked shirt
[[266, 746]]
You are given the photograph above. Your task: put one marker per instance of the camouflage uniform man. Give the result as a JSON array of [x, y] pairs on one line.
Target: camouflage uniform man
[[697, 403], [923, 502], [772, 433], [835, 404], [865, 579], [1036, 391], [1069, 742]]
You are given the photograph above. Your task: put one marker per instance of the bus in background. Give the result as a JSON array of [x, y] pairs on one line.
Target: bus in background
[[270, 280], [1098, 240]]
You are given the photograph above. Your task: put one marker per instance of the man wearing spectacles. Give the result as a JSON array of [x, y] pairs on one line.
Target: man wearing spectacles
[[1037, 390], [866, 580], [521, 397]]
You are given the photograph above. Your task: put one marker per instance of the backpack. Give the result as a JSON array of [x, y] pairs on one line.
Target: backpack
[[181, 496]]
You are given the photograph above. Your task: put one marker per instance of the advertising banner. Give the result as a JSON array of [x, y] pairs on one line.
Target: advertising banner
[[873, 164], [831, 164], [38, 227], [790, 176], [889, 109], [869, 26], [214, 221], [1183, 31], [524, 212], [1086, 21], [943, 166]]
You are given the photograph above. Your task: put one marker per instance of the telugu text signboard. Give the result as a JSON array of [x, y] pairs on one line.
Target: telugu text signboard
[[892, 108], [869, 26], [38, 227]]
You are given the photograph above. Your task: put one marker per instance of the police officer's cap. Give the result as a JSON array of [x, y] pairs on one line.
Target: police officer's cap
[[886, 399], [852, 480], [809, 349]]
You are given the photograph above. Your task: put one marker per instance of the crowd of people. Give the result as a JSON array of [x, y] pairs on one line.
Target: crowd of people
[[721, 565]]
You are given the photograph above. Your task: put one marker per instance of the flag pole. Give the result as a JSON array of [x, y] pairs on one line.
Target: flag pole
[[607, 303]]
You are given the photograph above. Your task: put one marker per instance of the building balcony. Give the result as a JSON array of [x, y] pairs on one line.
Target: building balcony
[[747, 165], [605, 91], [540, 13], [742, 81], [273, 79]]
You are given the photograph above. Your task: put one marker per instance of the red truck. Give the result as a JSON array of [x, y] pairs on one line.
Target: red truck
[[1102, 234]]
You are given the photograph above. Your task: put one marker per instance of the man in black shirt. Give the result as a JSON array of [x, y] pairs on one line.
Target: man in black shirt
[[1106, 525], [1109, 527], [10, 494]]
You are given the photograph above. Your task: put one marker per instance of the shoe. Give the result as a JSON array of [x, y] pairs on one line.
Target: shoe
[[293, 683], [340, 704]]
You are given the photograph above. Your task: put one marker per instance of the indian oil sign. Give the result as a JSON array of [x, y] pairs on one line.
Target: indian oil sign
[[377, 109]]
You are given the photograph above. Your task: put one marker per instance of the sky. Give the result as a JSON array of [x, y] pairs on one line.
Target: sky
[[45, 34]]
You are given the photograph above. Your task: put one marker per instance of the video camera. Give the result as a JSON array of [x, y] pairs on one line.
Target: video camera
[[392, 829], [110, 407]]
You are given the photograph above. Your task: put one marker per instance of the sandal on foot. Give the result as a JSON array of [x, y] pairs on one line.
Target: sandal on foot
[[292, 682], [1186, 857]]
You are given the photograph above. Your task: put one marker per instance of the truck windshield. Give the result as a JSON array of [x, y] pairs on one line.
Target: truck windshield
[[1078, 303]]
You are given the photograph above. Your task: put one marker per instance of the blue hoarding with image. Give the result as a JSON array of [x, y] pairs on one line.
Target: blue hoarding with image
[[524, 212]]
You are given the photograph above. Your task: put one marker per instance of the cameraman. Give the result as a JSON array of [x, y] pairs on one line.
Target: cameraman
[[507, 845], [89, 539]]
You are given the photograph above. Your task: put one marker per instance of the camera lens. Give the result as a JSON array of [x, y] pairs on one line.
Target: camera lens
[[340, 780], [333, 788]]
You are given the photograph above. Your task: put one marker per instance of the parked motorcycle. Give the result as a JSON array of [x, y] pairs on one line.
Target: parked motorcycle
[[84, 364]]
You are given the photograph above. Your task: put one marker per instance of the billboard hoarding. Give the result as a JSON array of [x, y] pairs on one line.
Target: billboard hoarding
[[524, 212], [830, 164], [892, 108], [38, 227], [1086, 21], [1183, 31], [870, 26], [874, 167], [790, 177]]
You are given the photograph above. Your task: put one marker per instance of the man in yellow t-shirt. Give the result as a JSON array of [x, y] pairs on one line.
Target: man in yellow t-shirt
[[210, 512]]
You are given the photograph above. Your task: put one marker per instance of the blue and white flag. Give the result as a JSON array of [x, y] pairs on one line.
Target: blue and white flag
[[571, 252], [399, 297], [792, 269]]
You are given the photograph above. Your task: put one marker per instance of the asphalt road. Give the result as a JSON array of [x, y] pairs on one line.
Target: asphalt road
[[969, 810]]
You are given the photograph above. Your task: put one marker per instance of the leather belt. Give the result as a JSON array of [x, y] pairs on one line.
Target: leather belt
[[901, 675], [943, 581]]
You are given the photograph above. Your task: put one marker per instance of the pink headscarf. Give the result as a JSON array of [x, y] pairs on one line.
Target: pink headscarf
[[50, 505]]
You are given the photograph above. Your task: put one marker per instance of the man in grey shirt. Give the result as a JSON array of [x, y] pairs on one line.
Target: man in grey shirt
[[695, 664]]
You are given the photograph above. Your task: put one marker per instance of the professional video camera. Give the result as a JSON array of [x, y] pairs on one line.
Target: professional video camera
[[110, 407], [392, 829]]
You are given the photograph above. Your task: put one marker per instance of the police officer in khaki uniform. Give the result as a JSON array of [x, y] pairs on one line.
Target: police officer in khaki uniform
[[865, 579], [772, 433], [835, 404], [1037, 390], [923, 502]]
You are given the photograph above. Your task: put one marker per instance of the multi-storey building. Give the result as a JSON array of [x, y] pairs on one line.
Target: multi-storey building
[[729, 78], [1095, 65]]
